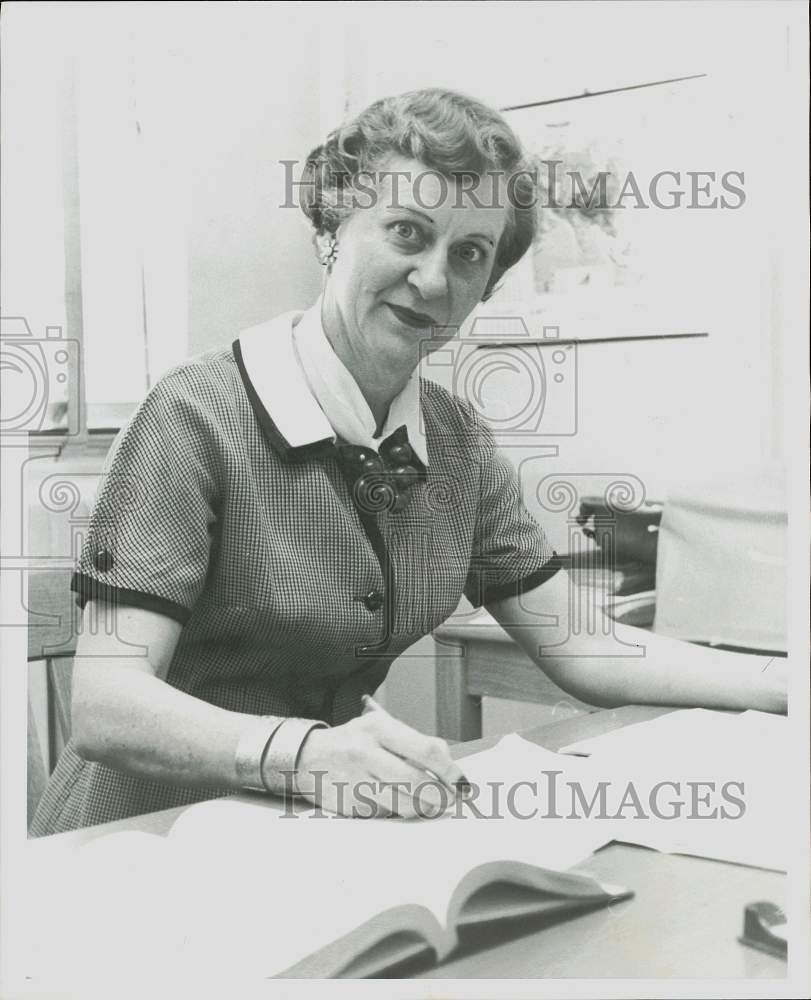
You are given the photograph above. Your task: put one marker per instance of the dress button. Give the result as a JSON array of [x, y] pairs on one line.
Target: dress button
[[400, 453], [373, 600], [103, 560]]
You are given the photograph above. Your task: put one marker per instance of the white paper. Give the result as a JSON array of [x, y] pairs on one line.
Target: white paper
[[749, 750]]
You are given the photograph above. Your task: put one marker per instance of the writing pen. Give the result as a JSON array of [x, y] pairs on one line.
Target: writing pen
[[461, 787]]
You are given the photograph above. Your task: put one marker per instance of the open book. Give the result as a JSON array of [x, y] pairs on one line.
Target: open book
[[239, 885], [489, 899], [361, 898]]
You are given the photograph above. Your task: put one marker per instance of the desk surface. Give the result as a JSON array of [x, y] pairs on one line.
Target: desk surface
[[683, 921]]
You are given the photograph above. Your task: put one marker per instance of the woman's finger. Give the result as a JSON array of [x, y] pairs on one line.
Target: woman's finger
[[427, 753], [406, 790], [358, 796]]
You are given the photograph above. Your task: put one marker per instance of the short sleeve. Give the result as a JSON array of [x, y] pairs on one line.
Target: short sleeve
[[511, 553], [149, 537]]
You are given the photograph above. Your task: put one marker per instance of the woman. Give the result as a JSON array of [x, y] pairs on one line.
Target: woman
[[282, 518]]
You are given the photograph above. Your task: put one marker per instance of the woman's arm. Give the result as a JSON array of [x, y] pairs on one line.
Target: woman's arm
[[592, 666], [126, 716]]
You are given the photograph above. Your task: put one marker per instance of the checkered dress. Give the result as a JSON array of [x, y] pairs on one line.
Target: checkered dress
[[294, 597]]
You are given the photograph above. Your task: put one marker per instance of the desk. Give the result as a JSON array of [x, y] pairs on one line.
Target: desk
[[476, 658], [682, 923]]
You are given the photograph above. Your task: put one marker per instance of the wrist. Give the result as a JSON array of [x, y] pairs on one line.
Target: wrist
[[772, 684], [310, 754], [283, 755], [251, 747], [749, 681]]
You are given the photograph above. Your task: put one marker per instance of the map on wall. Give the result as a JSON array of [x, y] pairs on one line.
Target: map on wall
[[639, 188]]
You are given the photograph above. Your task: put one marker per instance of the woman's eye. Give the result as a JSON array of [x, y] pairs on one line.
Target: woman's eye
[[470, 253], [406, 230]]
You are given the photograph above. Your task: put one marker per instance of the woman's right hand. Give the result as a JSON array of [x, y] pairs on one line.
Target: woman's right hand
[[377, 765]]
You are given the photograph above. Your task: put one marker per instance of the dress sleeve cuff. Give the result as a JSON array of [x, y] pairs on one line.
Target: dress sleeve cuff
[[516, 587], [87, 589]]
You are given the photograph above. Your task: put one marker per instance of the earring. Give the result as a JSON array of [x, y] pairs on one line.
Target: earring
[[328, 252]]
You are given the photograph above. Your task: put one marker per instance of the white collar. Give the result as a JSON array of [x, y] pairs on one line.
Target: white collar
[[303, 395], [339, 396]]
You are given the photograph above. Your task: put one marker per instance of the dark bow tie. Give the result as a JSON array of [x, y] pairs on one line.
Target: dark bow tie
[[381, 480]]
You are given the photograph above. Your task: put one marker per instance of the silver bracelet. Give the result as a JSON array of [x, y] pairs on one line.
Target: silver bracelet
[[251, 751], [281, 758]]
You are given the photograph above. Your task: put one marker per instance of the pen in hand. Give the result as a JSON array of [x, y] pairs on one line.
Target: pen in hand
[[460, 788]]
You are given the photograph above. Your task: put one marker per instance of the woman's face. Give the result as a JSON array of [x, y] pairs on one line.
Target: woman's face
[[413, 264]]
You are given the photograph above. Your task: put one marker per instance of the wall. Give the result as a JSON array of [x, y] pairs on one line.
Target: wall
[[245, 95], [510, 53], [667, 412]]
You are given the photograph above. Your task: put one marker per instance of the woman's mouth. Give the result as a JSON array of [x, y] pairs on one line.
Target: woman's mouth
[[418, 320]]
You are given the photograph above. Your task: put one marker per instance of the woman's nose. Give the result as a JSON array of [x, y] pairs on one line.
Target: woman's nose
[[429, 275]]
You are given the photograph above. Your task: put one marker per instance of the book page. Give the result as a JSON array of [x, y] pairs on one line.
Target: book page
[[720, 768], [691, 782], [417, 861], [239, 883], [91, 909], [240, 888]]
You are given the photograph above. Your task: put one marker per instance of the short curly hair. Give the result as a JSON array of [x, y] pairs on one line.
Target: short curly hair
[[452, 134]]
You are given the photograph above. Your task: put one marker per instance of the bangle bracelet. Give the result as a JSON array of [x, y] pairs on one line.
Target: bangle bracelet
[[281, 757], [251, 749]]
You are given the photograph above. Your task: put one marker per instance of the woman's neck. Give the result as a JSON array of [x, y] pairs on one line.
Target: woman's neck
[[380, 378], [378, 383]]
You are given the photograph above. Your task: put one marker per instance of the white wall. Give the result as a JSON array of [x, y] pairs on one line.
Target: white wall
[[510, 53], [243, 84], [32, 267]]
